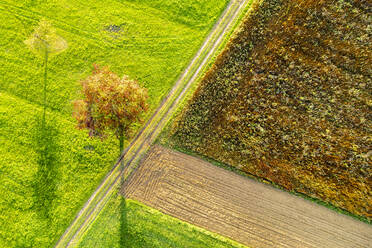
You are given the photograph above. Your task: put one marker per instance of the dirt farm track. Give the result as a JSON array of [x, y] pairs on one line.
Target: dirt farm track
[[242, 209]]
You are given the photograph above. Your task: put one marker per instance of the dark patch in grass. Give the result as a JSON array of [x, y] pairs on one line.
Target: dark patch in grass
[[128, 237], [46, 178], [113, 28], [89, 148]]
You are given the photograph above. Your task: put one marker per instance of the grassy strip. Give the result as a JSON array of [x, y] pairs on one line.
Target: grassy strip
[[145, 39], [140, 145], [20, 220], [136, 38], [146, 227]]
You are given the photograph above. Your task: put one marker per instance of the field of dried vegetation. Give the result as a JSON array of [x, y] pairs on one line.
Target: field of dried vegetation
[[290, 100]]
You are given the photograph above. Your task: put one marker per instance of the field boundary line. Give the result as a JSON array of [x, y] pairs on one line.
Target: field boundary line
[[147, 135]]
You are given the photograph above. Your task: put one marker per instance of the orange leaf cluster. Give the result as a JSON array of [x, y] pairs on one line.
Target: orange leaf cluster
[[110, 103]]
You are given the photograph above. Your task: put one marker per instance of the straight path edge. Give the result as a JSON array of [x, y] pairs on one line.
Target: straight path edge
[[145, 137], [239, 208]]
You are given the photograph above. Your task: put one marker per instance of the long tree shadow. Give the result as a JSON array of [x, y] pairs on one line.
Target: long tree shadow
[[45, 182], [124, 232], [129, 237]]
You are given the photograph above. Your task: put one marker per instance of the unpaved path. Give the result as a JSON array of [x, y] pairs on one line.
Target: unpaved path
[[147, 135], [242, 209]]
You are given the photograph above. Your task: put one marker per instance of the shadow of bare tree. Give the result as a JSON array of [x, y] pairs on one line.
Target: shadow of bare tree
[[45, 182]]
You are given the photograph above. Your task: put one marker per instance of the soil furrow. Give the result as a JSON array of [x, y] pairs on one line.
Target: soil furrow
[[229, 214], [245, 210], [217, 184]]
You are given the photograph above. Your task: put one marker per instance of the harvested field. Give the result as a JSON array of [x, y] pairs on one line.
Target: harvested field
[[290, 100], [244, 210]]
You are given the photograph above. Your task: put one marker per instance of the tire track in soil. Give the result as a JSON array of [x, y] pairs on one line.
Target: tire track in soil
[[242, 209], [242, 194]]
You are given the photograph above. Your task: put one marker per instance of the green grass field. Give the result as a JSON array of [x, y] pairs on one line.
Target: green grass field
[[132, 224], [151, 41]]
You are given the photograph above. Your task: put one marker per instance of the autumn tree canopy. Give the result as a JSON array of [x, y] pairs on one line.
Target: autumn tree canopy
[[110, 103]]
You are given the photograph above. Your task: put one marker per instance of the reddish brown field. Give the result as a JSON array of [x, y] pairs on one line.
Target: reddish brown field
[[290, 100], [242, 209]]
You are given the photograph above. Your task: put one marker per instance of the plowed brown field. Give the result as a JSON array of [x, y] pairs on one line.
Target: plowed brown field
[[247, 211]]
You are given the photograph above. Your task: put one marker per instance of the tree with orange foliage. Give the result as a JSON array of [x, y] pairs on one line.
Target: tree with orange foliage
[[110, 103]]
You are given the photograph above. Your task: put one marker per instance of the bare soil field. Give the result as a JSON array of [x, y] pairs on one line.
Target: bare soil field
[[242, 209]]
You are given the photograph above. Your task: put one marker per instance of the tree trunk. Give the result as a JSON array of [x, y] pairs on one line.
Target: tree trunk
[[121, 143], [45, 85], [43, 124]]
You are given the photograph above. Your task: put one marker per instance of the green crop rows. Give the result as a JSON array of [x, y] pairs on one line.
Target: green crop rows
[[151, 41]]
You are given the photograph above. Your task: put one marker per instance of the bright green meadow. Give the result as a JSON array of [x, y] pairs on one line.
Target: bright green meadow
[[151, 41], [131, 224]]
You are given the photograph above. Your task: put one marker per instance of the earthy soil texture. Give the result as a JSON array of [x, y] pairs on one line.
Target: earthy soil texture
[[290, 100], [242, 209]]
